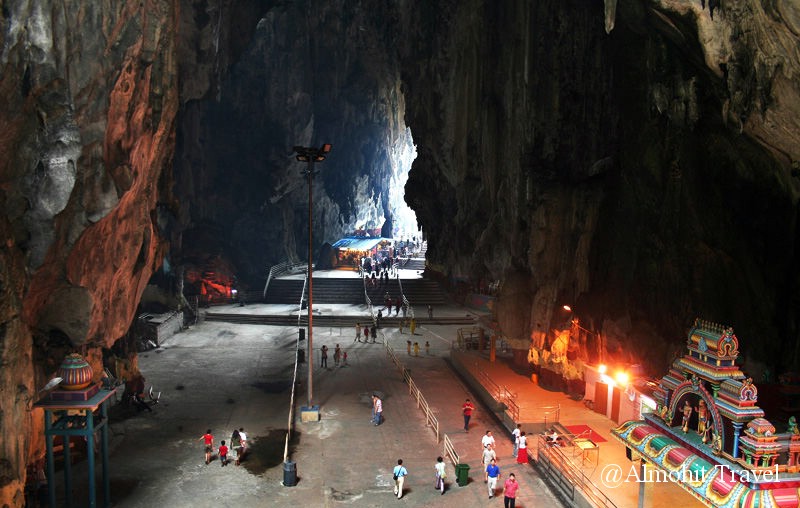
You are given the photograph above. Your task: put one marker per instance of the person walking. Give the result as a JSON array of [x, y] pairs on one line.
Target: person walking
[[441, 474], [323, 361], [374, 334], [416, 348], [377, 405], [243, 449], [492, 475], [488, 455], [337, 354], [487, 439], [366, 334], [208, 441], [467, 409], [344, 358], [399, 474], [223, 454], [358, 333], [427, 348], [510, 492], [522, 449], [412, 326], [515, 438], [430, 311], [236, 445]]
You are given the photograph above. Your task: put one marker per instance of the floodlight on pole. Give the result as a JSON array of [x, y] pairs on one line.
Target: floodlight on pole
[[311, 155]]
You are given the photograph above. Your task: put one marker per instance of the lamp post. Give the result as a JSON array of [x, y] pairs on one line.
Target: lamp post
[[310, 155]]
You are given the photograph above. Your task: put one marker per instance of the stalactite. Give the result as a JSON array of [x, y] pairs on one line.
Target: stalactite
[[611, 14]]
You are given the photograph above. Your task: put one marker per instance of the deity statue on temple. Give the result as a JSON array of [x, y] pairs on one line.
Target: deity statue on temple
[[792, 427], [702, 417], [716, 444], [687, 413]]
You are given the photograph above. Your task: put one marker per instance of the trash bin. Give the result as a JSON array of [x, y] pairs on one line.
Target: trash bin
[[289, 474], [462, 474], [301, 355]]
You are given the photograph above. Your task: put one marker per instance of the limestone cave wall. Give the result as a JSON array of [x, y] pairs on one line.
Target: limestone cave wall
[[645, 175]]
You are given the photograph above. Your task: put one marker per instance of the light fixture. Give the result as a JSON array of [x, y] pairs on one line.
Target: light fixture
[[622, 378], [310, 155], [602, 368], [567, 308]]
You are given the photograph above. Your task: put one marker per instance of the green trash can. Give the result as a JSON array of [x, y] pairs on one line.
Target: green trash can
[[462, 474]]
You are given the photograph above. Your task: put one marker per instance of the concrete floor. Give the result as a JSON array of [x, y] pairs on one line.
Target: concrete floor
[[224, 376]]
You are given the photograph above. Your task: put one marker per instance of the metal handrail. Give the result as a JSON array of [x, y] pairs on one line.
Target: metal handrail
[[449, 450], [273, 272], [290, 423], [568, 476], [430, 418]]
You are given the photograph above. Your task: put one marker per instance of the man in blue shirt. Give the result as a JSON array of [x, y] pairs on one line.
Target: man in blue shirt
[[492, 475]]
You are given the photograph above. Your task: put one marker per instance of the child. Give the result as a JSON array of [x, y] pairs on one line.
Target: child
[[344, 358], [208, 441], [223, 454], [416, 349]]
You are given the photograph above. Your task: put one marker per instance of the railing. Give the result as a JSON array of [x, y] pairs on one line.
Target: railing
[[509, 399], [430, 419], [449, 450], [274, 271], [290, 423], [300, 306], [280, 269], [415, 392], [501, 394], [567, 476], [554, 412]]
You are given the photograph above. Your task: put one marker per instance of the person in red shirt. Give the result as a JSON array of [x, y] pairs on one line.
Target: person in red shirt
[[467, 410], [208, 440], [223, 454], [510, 492]]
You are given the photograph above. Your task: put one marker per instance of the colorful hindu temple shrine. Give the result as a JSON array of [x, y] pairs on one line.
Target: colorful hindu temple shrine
[[708, 433]]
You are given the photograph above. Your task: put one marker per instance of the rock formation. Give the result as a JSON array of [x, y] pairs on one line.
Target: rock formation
[[636, 159]]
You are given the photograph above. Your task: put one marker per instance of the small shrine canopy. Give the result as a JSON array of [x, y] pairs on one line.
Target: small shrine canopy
[[714, 482], [359, 243], [708, 433]]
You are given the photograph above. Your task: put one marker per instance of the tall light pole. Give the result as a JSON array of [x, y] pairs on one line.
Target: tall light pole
[[310, 155]]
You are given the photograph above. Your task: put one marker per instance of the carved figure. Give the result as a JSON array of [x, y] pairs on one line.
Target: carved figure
[[702, 416], [793, 426], [716, 444], [687, 413]]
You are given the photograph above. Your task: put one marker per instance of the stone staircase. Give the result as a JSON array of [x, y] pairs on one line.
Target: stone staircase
[[328, 320], [351, 291], [415, 263]]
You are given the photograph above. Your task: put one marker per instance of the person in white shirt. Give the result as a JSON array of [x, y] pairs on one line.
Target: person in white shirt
[[488, 455], [441, 474], [515, 438], [522, 451], [243, 445], [488, 438]]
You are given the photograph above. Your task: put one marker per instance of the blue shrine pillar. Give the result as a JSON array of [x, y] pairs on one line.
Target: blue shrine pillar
[[737, 429], [72, 413]]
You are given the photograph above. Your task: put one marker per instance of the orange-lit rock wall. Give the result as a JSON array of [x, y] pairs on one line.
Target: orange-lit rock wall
[[89, 98]]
